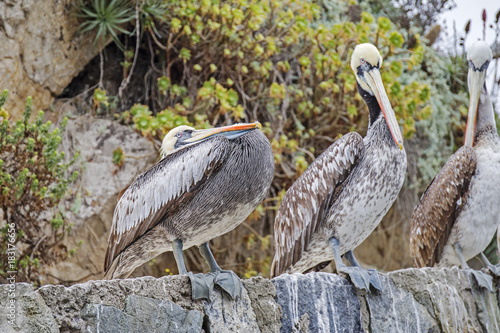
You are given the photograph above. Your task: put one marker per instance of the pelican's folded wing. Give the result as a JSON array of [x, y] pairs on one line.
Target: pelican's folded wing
[[159, 191], [305, 203], [439, 207]]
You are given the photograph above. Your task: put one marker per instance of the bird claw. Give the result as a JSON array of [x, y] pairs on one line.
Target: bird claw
[[483, 280], [494, 269], [229, 282], [360, 277], [375, 280], [202, 285]]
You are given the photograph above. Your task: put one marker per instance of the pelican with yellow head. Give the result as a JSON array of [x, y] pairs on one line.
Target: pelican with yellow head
[[206, 183], [341, 198]]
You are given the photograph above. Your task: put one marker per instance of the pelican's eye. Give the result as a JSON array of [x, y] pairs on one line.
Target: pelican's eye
[[363, 61], [178, 135]]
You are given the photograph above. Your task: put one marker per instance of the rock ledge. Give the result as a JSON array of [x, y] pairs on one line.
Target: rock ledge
[[414, 300]]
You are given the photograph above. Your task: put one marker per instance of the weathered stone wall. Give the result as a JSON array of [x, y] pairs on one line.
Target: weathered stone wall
[[414, 300], [91, 204], [40, 51]]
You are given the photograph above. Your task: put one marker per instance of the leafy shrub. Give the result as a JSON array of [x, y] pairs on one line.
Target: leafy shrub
[[407, 13], [283, 64], [34, 177], [287, 64], [280, 64]]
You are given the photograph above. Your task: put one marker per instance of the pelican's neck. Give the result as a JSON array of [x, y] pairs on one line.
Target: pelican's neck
[[373, 106], [378, 133], [485, 121], [378, 129]]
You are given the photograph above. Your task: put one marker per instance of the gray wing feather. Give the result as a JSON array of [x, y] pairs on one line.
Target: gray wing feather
[[166, 182], [305, 203], [439, 207]]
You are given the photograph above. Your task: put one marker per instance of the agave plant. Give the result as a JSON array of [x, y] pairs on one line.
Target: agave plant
[[106, 18]]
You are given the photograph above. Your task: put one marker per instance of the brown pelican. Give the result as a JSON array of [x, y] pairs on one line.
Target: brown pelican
[[459, 211], [340, 199], [206, 184]]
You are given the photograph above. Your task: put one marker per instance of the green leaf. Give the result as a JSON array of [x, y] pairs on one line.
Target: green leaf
[[163, 84], [384, 23], [305, 61], [3, 97], [396, 39], [232, 97], [118, 157], [185, 54]]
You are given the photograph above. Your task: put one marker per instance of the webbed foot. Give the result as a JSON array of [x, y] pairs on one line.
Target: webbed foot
[[483, 280], [360, 277], [202, 285], [229, 282], [494, 269], [375, 280]]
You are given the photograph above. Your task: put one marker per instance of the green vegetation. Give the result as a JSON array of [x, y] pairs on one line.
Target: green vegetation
[[285, 63], [279, 63], [34, 178], [105, 19]]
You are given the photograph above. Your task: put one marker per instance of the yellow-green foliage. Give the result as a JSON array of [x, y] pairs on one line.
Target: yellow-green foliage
[[279, 63], [285, 63]]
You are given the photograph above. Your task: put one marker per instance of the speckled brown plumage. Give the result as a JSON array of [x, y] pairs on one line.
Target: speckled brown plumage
[[306, 203], [439, 206], [459, 212], [347, 190]]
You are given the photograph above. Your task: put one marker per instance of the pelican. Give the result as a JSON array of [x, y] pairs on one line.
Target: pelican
[[459, 211], [340, 199], [205, 185]]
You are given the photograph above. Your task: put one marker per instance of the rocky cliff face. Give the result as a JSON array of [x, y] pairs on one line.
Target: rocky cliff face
[[414, 300], [40, 51], [91, 205]]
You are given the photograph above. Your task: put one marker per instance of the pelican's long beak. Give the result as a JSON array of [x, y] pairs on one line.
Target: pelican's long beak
[[476, 81], [374, 81], [230, 132]]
